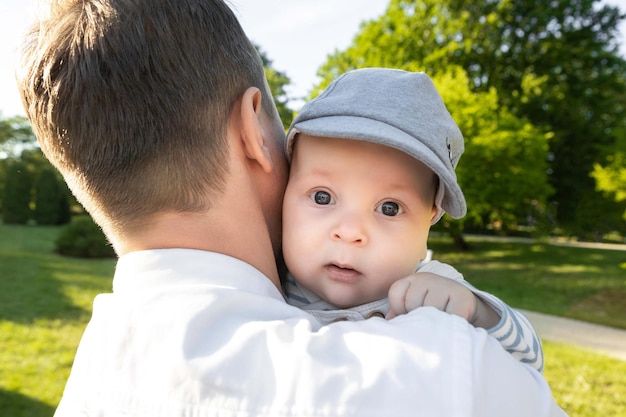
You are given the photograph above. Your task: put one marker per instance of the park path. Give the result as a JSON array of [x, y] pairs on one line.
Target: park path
[[602, 339]]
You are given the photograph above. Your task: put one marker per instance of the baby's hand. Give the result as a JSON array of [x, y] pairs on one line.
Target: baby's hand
[[423, 289]]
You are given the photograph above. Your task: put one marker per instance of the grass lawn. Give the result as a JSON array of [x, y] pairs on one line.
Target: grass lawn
[[45, 303], [579, 283], [584, 383]]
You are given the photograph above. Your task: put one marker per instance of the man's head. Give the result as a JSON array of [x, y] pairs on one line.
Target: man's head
[[130, 100]]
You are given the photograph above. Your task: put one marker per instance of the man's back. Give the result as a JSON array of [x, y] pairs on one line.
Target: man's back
[[197, 333]]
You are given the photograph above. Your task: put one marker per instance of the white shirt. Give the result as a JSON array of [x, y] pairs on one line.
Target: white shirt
[[195, 334]]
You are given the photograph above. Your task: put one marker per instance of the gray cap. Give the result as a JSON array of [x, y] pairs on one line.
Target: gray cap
[[394, 108]]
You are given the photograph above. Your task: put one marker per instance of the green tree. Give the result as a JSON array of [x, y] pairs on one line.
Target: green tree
[[83, 238], [571, 48], [610, 177], [278, 81], [3, 174], [34, 160], [51, 199], [503, 172], [553, 63], [17, 194], [15, 133], [40, 183]]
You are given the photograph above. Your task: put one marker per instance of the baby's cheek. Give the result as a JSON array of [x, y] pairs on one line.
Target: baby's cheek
[[298, 248], [405, 265]]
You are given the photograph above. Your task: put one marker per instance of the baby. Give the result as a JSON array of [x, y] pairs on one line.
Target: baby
[[373, 163]]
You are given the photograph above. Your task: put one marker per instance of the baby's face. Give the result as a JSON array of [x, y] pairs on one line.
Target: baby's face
[[356, 217]]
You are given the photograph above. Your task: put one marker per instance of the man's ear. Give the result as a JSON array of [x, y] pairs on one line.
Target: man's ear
[[252, 134]]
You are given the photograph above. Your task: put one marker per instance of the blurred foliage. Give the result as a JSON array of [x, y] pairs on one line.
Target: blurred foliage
[[17, 193], [51, 199], [536, 87], [278, 81], [557, 76], [15, 134], [610, 175], [83, 238], [31, 189]]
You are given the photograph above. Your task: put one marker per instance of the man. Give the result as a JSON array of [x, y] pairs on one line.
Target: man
[[159, 117]]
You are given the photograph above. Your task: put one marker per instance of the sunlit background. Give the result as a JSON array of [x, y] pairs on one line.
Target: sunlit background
[[296, 35]]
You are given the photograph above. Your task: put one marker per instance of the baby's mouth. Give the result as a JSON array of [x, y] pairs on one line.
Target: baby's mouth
[[343, 273]]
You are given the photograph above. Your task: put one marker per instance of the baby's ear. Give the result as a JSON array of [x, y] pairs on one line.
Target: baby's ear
[[436, 214], [252, 129]]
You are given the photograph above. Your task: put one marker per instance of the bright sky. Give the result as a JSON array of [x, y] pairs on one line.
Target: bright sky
[[296, 35]]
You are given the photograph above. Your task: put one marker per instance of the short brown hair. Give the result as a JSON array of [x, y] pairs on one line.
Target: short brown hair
[[130, 100]]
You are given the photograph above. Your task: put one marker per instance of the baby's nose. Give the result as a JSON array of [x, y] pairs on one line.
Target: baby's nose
[[350, 229]]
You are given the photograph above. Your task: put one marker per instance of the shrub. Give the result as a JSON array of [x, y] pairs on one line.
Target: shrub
[[17, 193], [51, 205], [83, 238]]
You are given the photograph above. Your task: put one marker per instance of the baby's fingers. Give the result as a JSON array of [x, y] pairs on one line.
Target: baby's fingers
[[404, 297]]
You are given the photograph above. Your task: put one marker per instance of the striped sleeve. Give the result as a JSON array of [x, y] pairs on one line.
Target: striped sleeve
[[514, 332]]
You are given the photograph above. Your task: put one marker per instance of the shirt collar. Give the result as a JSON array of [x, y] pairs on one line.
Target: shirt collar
[[138, 271]]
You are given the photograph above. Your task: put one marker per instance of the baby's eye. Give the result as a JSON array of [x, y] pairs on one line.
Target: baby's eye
[[322, 198], [389, 208]]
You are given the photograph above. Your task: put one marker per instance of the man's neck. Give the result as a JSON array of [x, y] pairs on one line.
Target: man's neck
[[247, 241]]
